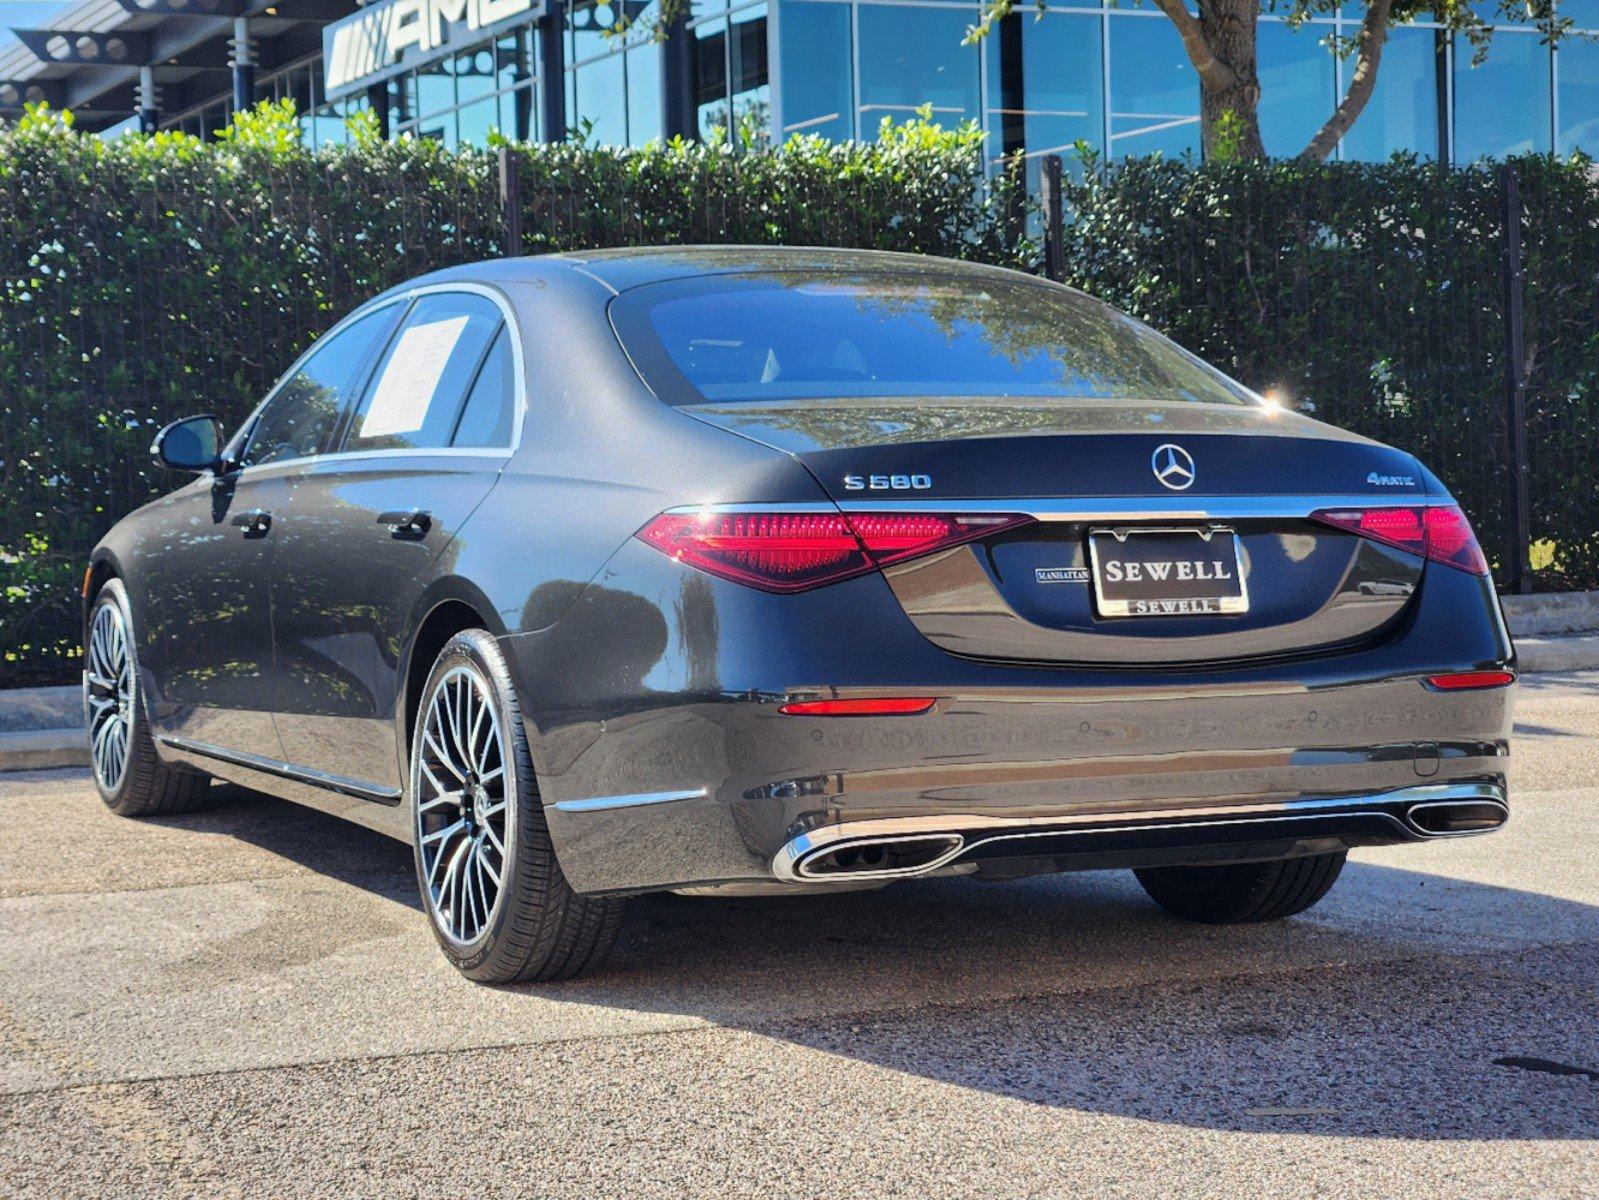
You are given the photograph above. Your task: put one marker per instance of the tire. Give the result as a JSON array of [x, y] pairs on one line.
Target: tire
[[1243, 893], [475, 812], [128, 774]]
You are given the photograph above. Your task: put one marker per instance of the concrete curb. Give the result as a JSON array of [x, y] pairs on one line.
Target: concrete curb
[[41, 749], [1536, 654], [1551, 614], [41, 708]]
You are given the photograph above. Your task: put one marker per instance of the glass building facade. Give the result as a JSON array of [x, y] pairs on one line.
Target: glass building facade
[[1113, 78]]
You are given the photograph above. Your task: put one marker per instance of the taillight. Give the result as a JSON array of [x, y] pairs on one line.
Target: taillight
[[1441, 534], [793, 551]]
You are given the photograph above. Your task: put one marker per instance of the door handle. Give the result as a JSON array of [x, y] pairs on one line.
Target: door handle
[[407, 523], [255, 523]]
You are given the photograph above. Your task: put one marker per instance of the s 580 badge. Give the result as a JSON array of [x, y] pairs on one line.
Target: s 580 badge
[[887, 483]]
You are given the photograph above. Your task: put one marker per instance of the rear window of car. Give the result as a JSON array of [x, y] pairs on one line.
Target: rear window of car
[[794, 336]]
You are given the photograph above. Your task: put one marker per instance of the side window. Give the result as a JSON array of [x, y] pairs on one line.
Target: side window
[[490, 411], [297, 420], [422, 381]]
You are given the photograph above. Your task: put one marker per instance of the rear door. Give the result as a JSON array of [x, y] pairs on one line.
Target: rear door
[[421, 447], [219, 565]]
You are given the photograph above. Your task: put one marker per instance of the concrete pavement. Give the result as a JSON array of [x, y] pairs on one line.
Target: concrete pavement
[[248, 1002]]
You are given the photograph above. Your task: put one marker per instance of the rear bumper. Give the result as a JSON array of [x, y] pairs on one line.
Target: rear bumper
[[663, 761], [848, 851], [738, 789]]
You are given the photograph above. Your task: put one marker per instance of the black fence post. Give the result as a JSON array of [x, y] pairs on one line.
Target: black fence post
[[511, 200], [1054, 219], [1514, 276]]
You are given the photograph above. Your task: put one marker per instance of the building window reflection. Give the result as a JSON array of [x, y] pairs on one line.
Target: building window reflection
[[728, 73], [1296, 70], [911, 56], [1503, 106], [613, 82], [1046, 84], [1154, 93], [1402, 114], [815, 51]]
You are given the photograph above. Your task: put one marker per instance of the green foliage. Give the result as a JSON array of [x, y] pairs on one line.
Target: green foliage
[[148, 278], [1228, 137], [1371, 296]]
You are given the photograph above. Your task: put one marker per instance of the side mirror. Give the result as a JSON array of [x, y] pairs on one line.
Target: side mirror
[[192, 444]]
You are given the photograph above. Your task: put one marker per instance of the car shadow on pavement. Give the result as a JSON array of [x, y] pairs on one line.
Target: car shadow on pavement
[[1384, 1012]]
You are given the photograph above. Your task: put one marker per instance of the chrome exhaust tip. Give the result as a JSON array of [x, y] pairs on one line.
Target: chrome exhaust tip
[[879, 857], [1455, 818]]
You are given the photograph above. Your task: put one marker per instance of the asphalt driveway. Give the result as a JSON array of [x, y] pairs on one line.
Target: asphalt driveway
[[247, 1002]]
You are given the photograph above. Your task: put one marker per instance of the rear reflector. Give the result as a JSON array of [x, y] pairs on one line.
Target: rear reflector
[[1459, 681], [1441, 534], [790, 551], [877, 706]]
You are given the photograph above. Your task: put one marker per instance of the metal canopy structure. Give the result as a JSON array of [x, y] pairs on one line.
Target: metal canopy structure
[[93, 57]]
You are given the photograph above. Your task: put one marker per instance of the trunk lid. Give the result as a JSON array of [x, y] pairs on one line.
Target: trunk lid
[[1088, 472]]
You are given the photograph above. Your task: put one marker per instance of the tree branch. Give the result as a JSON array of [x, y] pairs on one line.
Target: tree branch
[[1211, 68], [1372, 38]]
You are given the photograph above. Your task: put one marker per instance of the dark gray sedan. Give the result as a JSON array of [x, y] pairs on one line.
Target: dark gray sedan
[[735, 571]]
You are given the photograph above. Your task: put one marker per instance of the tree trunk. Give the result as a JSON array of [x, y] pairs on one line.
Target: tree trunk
[[1229, 102], [1221, 45]]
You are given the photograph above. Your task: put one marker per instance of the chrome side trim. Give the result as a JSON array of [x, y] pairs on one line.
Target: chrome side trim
[[788, 864], [636, 800], [1102, 508], [360, 789]]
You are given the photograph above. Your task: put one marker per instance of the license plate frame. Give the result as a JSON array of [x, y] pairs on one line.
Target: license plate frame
[[1208, 595]]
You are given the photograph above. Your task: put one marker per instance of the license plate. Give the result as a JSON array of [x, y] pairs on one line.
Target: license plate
[[1166, 572]]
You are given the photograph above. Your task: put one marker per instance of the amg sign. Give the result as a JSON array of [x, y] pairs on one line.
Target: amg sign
[[384, 37]]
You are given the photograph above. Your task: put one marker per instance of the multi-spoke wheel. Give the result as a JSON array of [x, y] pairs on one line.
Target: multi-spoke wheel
[[461, 812], [494, 892], [108, 692], [131, 779]]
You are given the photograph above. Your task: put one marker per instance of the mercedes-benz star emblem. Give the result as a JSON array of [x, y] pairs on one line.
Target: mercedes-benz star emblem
[[1173, 466]]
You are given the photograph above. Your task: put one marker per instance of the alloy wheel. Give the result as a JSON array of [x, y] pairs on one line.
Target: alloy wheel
[[462, 815], [110, 696]]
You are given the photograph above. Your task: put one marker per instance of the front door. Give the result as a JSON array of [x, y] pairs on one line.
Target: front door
[[420, 451]]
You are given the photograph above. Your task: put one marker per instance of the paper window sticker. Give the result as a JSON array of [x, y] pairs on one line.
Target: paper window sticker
[[402, 396]]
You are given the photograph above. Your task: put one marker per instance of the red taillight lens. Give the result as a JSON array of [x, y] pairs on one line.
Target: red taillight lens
[[1441, 534], [1450, 540], [873, 707], [1457, 681], [790, 552], [776, 552]]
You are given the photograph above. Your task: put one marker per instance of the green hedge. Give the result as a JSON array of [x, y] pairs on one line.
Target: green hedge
[[147, 278]]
